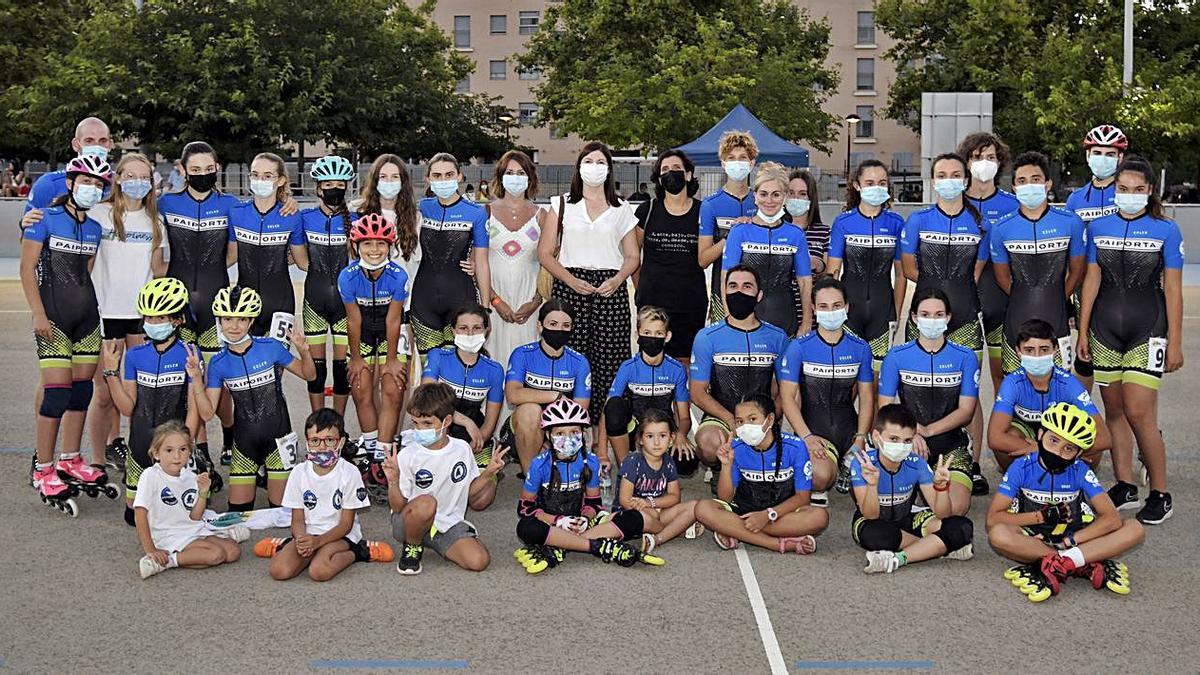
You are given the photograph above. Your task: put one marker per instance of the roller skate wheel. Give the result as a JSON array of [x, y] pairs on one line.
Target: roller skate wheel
[[69, 507], [111, 491]]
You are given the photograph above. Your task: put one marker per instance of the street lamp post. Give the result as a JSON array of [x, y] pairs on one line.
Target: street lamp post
[[508, 120], [851, 121]]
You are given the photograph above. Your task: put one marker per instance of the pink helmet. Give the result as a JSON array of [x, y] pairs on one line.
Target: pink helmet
[[1106, 135], [89, 165], [565, 412]]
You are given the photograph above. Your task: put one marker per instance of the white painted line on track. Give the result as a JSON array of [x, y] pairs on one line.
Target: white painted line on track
[[765, 631]]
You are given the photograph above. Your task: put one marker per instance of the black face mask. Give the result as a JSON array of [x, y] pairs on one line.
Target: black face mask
[[651, 346], [1053, 463], [741, 305], [672, 181], [202, 182], [556, 339], [333, 197]]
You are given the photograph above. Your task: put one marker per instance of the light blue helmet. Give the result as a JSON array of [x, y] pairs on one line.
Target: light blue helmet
[[332, 167]]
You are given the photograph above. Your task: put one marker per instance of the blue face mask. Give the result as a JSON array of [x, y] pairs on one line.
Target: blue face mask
[[1129, 203], [444, 189], [136, 188], [1031, 195], [1038, 366], [514, 183], [832, 320], [86, 196], [323, 458], [798, 207], [158, 331], [95, 151], [932, 328], [567, 447], [1102, 166], [426, 437], [949, 188], [874, 195]]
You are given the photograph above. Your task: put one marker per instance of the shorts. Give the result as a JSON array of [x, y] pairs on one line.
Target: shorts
[[435, 539], [737, 509], [430, 337], [914, 523], [373, 349], [243, 468], [880, 345], [117, 329], [967, 335], [136, 461], [716, 305], [177, 542], [316, 325], [1140, 364], [683, 327], [995, 341], [960, 464], [80, 344], [1047, 531], [358, 548], [1025, 428]]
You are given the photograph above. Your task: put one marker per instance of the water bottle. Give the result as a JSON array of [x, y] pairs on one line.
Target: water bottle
[[606, 486]]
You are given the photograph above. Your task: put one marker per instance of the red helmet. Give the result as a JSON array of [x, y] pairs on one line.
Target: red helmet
[[372, 226], [1106, 135], [89, 165]]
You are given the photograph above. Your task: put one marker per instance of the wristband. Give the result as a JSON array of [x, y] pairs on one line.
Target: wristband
[[112, 373], [944, 487], [496, 301], [651, 501], [805, 437]]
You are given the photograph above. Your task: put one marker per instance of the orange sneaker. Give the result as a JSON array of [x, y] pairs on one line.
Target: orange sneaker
[[379, 551], [267, 548]]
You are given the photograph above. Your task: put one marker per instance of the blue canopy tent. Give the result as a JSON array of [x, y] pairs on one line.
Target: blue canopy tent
[[771, 146]]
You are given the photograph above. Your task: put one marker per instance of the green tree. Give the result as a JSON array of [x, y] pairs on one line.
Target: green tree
[[660, 73]]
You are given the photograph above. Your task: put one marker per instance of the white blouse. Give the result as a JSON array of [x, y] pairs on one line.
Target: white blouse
[[593, 244]]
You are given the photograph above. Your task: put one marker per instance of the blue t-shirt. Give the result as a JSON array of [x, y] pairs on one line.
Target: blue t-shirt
[[947, 248], [162, 389], [568, 374], [1142, 237], [852, 230], [930, 384], [1019, 399], [565, 499], [473, 384], [737, 363], [766, 478], [783, 246], [828, 376], [897, 491], [253, 369], [1031, 487], [718, 212], [254, 379], [1090, 202], [67, 247], [463, 215], [373, 296], [648, 386], [198, 237], [1056, 231], [994, 208], [647, 481]]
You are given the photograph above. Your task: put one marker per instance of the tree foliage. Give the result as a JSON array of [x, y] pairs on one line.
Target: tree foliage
[[659, 74]]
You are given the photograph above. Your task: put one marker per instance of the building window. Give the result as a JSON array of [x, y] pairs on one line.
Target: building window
[[527, 114], [556, 131], [462, 32], [497, 70], [463, 86], [902, 162], [857, 158], [529, 22], [866, 28], [866, 75], [499, 24], [532, 74], [866, 127]]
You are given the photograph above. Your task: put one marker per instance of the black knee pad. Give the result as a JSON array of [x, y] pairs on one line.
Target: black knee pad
[[532, 531], [617, 414], [240, 507], [687, 467], [956, 532], [81, 395], [878, 535], [630, 523], [55, 402], [129, 516], [1085, 368], [317, 384], [341, 378]]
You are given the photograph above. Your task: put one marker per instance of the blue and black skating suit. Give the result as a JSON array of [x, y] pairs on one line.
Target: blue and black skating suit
[[569, 374], [647, 386], [162, 396], [779, 253], [718, 213], [262, 257], [868, 247], [897, 491], [449, 235], [198, 236], [930, 384], [65, 287], [566, 497], [254, 379], [1024, 403], [766, 478], [992, 300], [475, 386], [828, 376], [1031, 487], [736, 363], [325, 236], [1091, 203], [373, 296], [946, 248]]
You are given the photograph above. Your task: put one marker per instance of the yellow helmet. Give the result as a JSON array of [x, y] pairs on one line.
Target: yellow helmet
[[162, 297], [1071, 424], [238, 301]]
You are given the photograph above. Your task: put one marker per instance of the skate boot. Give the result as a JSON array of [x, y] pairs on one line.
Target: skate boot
[[54, 492], [85, 478]]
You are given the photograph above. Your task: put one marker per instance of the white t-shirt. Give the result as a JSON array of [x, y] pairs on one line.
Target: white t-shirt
[[445, 474], [324, 497], [168, 501], [122, 267], [593, 244]]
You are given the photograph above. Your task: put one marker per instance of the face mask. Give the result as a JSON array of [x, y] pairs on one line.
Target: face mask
[[470, 343], [444, 189], [931, 328], [751, 434], [262, 188], [832, 320], [593, 174], [556, 339], [895, 451], [984, 170], [426, 437], [567, 447], [240, 341], [95, 151], [798, 207], [737, 170], [741, 305], [874, 195], [362, 262], [949, 188], [651, 346], [1130, 204], [770, 220], [1102, 166], [202, 182], [333, 197], [323, 458], [515, 184], [86, 196], [1037, 366], [136, 188], [158, 331], [672, 182], [1031, 195], [389, 189], [1053, 463]]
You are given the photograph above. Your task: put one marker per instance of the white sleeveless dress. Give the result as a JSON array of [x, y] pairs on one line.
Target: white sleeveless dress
[[514, 263]]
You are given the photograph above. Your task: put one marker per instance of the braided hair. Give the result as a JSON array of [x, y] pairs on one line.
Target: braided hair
[[766, 406]]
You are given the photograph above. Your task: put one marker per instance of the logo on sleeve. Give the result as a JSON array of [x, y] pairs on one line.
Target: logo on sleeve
[[1090, 477], [189, 498], [808, 469], [1085, 398], [424, 478], [168, 497], [337, 499], [459, 472], [310, 500], [361, 493]]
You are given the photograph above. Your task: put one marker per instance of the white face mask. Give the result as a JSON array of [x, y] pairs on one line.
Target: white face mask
[[1102, 166], [515, 184], [389, 189], [737, 170], [770, 220], [832, 320], [798, 207], [470, 343], [593, 174], [984, 170], [362, 262], [751, 434], [1031, 195], [86, 196], [1130, 204], [262, 188], [932, 328], [895, 451]]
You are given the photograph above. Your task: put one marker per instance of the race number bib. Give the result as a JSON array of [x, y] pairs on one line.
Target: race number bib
[[1157, 358], [289, 450], [892, 334], [403, 348], [281, 326], [1066, 352]]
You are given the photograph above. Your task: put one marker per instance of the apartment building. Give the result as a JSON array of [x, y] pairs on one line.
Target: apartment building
[[492, 32]]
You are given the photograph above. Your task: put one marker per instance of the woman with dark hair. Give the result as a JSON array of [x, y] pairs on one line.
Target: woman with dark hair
[[515, 224], [668, 229], [593, 230], [804, 209]]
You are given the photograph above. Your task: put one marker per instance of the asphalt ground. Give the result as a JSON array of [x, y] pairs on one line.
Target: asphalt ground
[[73, 602]]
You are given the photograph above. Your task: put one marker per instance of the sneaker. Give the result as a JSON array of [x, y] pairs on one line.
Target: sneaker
[[147, 567], [1157, 508], [842, 485], [410, 560], [979, 484], [377, 551], [267, 548], [1124, 495], [881, 562], [238, 533], [115, 453], [965, 553], [819, 499]]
